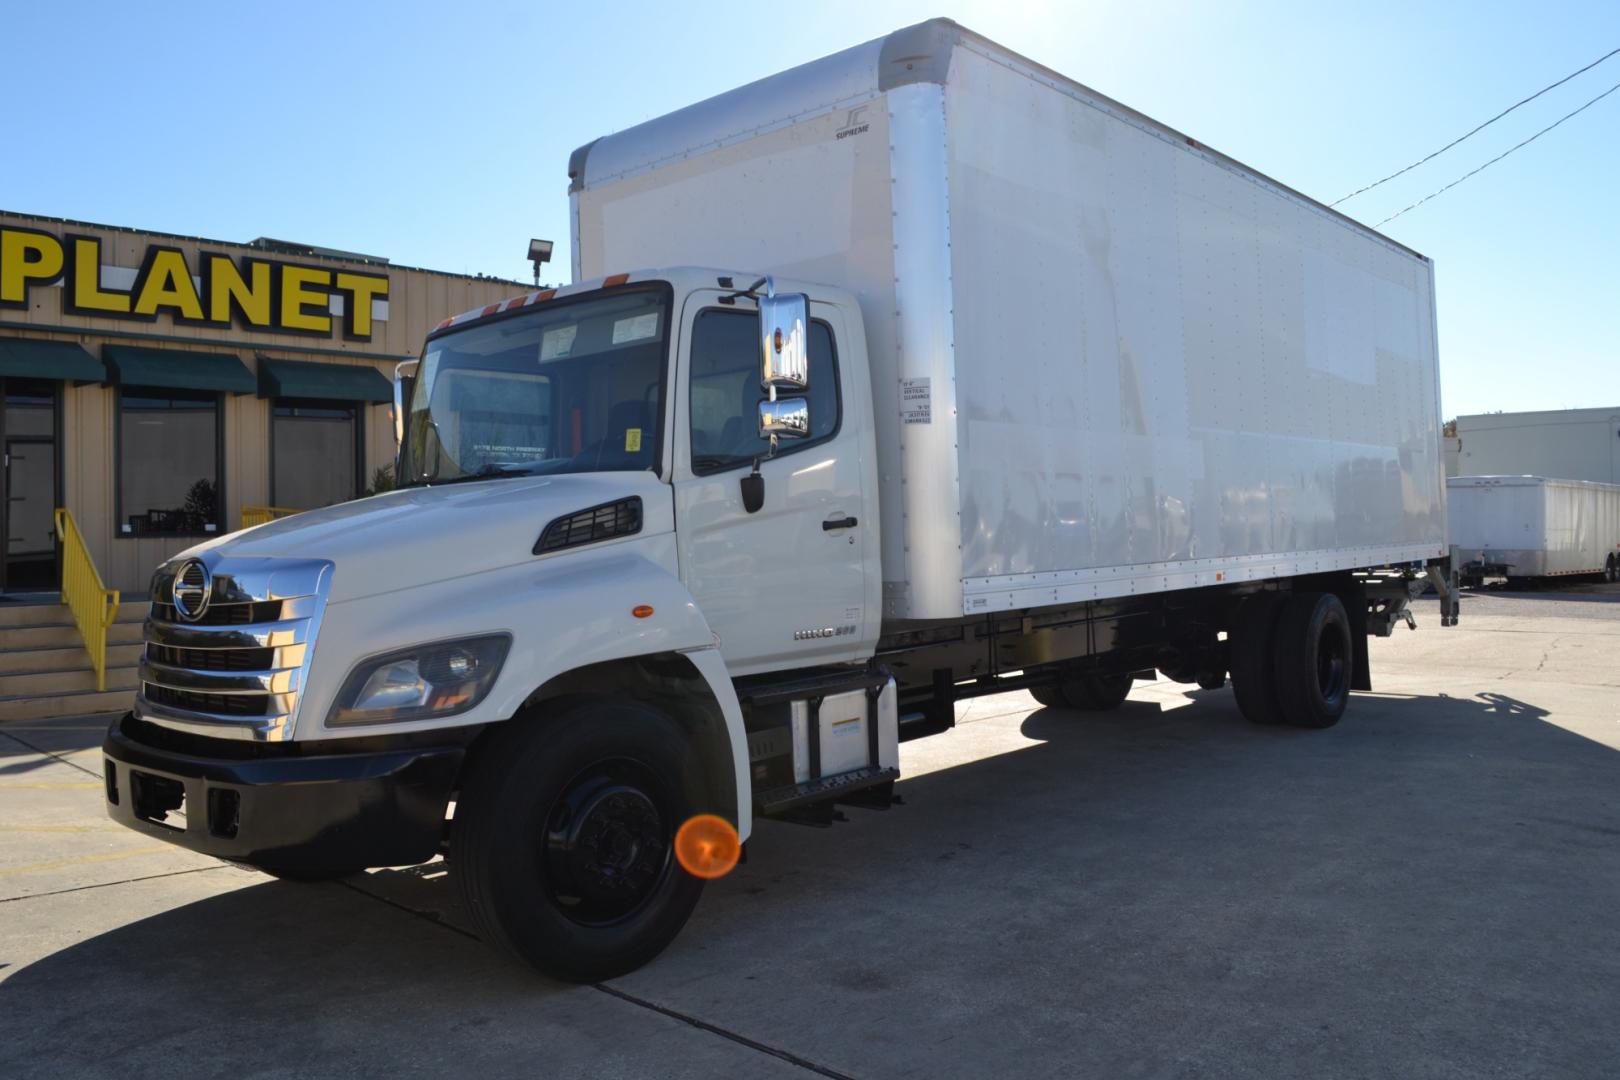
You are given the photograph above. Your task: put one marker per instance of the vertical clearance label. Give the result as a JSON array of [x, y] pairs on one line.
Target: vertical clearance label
[[916, 401]]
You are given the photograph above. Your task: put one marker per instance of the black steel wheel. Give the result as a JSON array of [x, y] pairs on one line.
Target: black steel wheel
[[606, 842], [562, 846], [1315, 658]]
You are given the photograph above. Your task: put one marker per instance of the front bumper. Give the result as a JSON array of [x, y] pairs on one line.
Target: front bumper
[[361, 803]]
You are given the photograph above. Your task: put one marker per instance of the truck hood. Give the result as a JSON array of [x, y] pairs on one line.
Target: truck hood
[[422, 535]]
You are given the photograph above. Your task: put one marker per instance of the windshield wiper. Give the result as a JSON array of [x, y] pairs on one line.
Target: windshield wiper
[[493, 470]]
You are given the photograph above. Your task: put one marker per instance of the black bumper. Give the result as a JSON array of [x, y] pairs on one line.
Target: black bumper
[[283, 806]]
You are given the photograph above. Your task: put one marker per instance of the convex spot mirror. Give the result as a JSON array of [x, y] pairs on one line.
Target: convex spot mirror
[[788, 418], [784, 342]]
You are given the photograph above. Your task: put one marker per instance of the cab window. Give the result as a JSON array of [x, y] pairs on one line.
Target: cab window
[[725, 393]]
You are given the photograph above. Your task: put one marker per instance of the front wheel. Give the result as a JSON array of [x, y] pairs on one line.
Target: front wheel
[[562, 846]]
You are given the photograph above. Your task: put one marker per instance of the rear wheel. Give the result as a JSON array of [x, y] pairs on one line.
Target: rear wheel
[[1049, 695], [562, 846], [1096, 693], [1611, 569], [1315, 653], [1254, 658]]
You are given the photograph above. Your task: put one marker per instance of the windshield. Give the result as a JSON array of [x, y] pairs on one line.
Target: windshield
[[564, 387]]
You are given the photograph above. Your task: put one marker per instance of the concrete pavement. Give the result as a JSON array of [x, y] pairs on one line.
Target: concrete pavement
[[1427, 890]]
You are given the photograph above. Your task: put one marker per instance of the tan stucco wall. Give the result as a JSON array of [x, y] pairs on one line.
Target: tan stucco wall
[[418, 300]]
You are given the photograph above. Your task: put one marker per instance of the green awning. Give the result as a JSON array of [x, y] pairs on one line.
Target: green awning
[[27, 358], [132, 365], [322, 382]]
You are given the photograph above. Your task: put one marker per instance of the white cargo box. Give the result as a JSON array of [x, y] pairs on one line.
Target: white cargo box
[[1529, 526], [1106, 359]]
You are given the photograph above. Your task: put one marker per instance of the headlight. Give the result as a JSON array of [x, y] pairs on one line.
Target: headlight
[[441, 679]]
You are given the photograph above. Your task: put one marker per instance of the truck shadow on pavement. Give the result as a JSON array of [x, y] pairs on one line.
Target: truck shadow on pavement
[[1143, 892]]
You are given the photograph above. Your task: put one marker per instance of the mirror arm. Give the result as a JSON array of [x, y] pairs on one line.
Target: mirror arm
[[753, 488]]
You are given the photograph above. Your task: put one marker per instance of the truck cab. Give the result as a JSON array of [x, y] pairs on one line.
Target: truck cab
[[637, 496]]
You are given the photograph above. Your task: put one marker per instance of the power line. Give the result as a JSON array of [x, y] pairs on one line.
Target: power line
[[1500, 156], [1477, 130]]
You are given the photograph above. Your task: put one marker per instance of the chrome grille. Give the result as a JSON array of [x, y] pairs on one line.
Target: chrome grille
[[237, 670]]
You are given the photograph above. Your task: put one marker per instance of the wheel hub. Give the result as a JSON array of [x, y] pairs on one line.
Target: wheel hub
[[606, 848]]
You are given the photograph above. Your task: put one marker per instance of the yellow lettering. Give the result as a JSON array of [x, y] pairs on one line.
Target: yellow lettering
[[27, 258], [226, 286], [167, 284], [296, 295], [361, 289], [88, 295]]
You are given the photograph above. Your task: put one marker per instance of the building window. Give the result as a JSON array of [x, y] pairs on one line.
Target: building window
[[168, 462], [314, 453]]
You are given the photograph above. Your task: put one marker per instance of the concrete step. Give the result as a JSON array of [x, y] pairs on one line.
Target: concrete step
[[63, 635], [76, 704], [69, 681], [17, 661], [30, 613]]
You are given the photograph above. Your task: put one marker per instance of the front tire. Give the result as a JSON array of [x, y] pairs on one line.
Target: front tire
[[562, 846]]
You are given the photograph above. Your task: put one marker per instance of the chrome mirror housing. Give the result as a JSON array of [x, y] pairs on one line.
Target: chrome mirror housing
[[404, 382], [784, 341], [788, 418]]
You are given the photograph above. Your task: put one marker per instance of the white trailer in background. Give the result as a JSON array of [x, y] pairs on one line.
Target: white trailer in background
[[1533, 527], [1575, 444]]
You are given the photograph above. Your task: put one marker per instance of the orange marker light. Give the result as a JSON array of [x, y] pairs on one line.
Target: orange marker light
[[642, 611], [614, 279], [707, 847]]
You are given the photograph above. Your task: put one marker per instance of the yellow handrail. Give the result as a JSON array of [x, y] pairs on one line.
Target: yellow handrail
[[94, 606], [258, 515]]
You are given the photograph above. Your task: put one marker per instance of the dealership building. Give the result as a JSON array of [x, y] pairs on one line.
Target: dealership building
[[156, 385]]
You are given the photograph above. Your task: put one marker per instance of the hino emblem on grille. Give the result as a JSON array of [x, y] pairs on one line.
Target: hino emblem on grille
[[192, 586]]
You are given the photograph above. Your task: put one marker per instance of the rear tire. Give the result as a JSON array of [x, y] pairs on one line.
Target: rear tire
[[1315, 657], [1050, 695], [562, 847], [1096, 693], [1254, 658]]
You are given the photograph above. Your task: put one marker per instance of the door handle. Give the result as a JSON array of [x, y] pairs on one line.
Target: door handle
[[838, 523]]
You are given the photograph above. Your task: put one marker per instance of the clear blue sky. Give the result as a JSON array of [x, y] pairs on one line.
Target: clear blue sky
[[438, 135]]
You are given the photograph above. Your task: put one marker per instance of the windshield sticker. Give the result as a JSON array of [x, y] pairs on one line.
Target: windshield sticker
[[632, 440], [636, 328], [558, 343]]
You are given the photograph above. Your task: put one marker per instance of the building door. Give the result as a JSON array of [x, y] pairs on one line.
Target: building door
[[28, 485]]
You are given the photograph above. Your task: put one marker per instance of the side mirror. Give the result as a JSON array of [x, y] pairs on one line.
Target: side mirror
[[784, 341], [788, 418], [404, 383]]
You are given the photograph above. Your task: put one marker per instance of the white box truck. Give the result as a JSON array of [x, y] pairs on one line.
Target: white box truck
[[1531, 527], [915, 373]]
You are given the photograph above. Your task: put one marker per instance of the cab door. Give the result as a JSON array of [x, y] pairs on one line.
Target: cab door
[[795, 583]]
